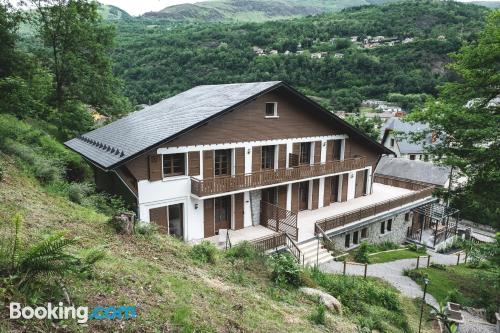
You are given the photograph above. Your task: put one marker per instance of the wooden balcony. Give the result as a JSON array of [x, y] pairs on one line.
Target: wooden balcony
[[217, 185]]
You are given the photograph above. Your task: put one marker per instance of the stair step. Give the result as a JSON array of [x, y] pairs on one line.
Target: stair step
[[319, 257]]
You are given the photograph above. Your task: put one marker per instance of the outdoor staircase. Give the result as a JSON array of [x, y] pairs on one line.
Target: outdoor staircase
[[311, 254]]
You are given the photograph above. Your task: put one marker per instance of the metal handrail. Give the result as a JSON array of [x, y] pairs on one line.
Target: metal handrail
[[294, 248], [228, 240]]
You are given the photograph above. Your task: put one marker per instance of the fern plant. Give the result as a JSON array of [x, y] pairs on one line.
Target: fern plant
[[50, 257]]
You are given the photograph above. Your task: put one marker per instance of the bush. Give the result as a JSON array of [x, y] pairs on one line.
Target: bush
[[361, 254], [1, 172], [244, 250], [455, 296], [318, 316], [285, 270], [78, 191], [438, 266], [145, 228], [306, 279], [46, 171], [415, 248], [205, 252]]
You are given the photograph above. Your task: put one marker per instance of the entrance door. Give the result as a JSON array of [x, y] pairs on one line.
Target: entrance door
[[175, 225], [222, 213], [334, 193], [303, 195], [269, 195]]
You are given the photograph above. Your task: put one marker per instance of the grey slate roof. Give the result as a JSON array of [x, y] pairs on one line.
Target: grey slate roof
[[413, 170], [406, 146], [140, 130]]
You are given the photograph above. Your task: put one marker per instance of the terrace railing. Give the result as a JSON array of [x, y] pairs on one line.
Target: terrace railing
[[270, 242], [364, 212], [217, 185], [278, 219]]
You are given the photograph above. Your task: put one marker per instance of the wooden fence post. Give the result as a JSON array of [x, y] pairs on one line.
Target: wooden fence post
[[428, 260], [345, 264], [418, 261], [465, 259], [366, 266], [458, 258]]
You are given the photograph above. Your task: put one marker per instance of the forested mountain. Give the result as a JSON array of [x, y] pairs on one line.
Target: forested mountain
[[254, 10], [158, 59]]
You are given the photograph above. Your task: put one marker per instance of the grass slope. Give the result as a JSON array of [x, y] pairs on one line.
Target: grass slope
[[392, 256], [172, 291]]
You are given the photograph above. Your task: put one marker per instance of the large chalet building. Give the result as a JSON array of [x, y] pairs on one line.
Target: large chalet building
[[253, 161]]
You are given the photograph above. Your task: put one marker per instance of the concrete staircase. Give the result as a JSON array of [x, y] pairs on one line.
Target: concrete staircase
[[311, 254]]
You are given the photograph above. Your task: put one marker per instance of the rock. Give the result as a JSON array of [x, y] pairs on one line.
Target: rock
[[328, 300]]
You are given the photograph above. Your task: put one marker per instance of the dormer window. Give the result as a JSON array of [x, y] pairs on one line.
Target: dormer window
[[271, 110]]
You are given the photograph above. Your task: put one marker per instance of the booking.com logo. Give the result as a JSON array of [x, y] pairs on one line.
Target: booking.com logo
[[81, 313]]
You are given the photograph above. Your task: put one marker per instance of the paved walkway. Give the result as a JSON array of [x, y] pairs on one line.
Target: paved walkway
[[392, 272]]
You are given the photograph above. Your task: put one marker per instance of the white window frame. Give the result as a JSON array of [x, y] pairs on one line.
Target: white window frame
[[275, 115]]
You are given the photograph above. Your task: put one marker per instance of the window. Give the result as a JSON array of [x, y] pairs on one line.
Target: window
[[382, 227], [222, 165], [175, 227], [412, 157], [267, 157], [270, 195], [364, 233], [355, 237], [407, 217], [389, 224], [337, 149], [347, 240], [272, 109], [305, 153], [173, 165], [392, 142], [426, 157]]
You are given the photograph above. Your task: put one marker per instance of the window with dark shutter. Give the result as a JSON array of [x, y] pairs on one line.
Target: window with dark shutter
[[222, 162], [337, 149], [174, 165], [389, 225], [364, 233], [305, 153], [382, 227], [267, 157], [347, 240]]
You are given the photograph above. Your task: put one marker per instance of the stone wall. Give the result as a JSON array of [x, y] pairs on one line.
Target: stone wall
[[255, 197], [396, 235]]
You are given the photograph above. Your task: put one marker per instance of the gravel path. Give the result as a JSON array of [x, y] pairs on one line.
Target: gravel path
[[392, 272]]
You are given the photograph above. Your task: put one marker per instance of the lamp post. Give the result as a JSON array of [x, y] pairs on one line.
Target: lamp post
[[426, 282]]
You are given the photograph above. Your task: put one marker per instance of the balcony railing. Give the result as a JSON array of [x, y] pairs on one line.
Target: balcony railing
[[359, 214], [211, 186], [279, 219]]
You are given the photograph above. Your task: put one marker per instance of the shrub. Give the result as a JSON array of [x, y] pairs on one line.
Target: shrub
[[1, 172], [285, 270], [318, 316], [244, 250], [307, 280], [385, 246], [438, 266], [455, 296], [46, 171], [415, 248], [145, 228], [361, 254], [205, 252], [78, 191]]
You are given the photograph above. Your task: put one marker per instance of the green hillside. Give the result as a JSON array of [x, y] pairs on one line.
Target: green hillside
[[157, 59], [109, 12], [253, 10]]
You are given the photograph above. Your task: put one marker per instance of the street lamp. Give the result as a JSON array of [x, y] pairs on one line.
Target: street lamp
[[426, 282]]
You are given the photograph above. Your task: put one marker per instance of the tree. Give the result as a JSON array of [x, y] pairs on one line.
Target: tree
[[466, 116], [369, 126], [78, 55]]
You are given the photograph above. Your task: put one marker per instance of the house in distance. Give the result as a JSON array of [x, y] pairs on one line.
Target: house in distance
[[252, 161]]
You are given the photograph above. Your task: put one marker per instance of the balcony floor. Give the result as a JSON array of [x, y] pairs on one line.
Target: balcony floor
[[381, 192]]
